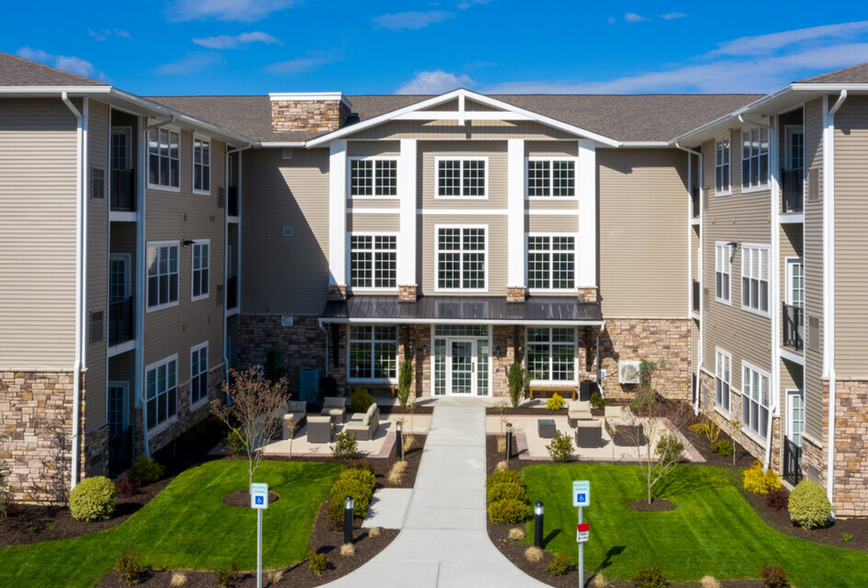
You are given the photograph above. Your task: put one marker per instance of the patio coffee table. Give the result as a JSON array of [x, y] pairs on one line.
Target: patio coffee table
[[546, 428]]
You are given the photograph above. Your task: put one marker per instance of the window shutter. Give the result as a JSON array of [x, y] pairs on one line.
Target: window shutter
[[96, 326], [97, 182], [814, 185], [813, 333]]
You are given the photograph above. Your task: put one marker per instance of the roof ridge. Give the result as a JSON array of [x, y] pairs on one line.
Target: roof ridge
[[32, 63], [813, 79]]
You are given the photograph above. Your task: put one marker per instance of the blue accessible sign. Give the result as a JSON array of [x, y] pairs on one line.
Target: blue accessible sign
[[259, 496], [581, 493]]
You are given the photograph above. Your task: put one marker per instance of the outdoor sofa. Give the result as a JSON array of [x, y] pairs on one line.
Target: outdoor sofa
[[364, 425]]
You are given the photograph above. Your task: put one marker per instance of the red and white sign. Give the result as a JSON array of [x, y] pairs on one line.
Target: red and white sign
[[583, 531]]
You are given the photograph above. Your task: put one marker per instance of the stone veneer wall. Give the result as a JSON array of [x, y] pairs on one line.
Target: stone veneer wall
[[96, 452], [851, 441], [308, 115]]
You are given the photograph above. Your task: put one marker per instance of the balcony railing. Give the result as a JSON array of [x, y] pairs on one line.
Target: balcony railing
[[794, 326], [232, 201], [792, 188], [232, 292], [123, 190], [694, 199], [696, 290], [121, 321]]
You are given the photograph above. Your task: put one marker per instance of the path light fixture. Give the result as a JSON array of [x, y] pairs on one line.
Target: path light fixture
[[508, 440], [349, 504], [538, 524], [399, 441]]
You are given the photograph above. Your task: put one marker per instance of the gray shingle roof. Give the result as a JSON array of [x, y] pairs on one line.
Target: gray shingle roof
[[857, 74], [15, 71]]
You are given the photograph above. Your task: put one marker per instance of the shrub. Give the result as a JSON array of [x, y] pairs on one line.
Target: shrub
[[723, 447], [396, 473], [508, 511], [364, 475], [146, 471], [364, 465], [774, 576], [126, 487], [759, 482], [650, 577], [374, 531], [178, 579], [348, 550], [560, 565], [516, 534], [234, 443], [405, 381], [334, 515], [361, 492], [809, 506], [709, 428], [555, 402], [317, 563], [709, 582], [778, 500], [93, 499], [360, 401], [597, 401], [501, 466], [228, 577], [504, 491], [5, 492], [517, 381], [533, 554], [846, 537], [346, 446], [503, 477], [669, 449], [128, 568], [561, 447]]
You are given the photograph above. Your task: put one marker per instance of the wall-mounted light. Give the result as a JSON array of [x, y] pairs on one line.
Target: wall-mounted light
[[733, 244], [497, 350], [188, 242], [424, 350]]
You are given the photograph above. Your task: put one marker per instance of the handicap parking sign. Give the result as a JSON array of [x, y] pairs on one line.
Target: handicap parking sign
[[581, 493], [259, 496]]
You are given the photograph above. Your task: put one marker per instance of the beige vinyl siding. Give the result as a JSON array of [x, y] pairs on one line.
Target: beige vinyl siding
[[37, 234], [374, 222], [561, 223], [373, 148], [497, 252], [551, 148], [122, 368], [448, 129], [175, 216], [374, 203], [851, 245], [496, 171], [642, 198], [285, 275], [814, 403], [554, 205], [97, 261]]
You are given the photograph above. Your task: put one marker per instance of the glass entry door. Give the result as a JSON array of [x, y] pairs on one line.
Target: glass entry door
[[462, 366]]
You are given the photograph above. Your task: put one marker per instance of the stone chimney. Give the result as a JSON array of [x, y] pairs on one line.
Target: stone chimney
[[306, 111]]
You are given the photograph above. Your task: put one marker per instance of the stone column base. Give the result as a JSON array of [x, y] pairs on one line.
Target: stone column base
[[587, 294], [337, 292], [516, 294], [408, 293]]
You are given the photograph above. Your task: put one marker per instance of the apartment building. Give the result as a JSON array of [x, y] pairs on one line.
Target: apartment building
[[578, 235]]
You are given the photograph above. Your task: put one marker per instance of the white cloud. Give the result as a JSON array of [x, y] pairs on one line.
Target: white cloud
[[72, 64], [612, 20], [434, 82], [412, 20], [234, 41], [229, 10], [633, 17], [311, 60], [465, 4], [104, 34], [764, 44], [192, 63], [672, 15]]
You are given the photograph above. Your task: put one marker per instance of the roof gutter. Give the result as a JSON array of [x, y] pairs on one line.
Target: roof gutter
[[742, 119]]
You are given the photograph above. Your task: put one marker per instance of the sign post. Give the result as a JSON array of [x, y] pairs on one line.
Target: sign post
[[259, 501], [581, 499]]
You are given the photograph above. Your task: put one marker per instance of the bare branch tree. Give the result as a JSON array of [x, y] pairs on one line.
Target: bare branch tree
[[250, 411]]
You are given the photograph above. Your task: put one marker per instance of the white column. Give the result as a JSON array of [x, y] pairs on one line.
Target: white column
[[587, 188], [515, 210], [407, 194], [338, 213]]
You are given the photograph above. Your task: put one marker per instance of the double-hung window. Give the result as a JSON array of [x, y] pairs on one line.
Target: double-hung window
[[722, 272], [161, 391], [722, 378], [754, 158], [164, 158], [755, 278], [722, 174], [551, 262], [198, 373], [373, 353], [551, 355], [374, 262], [201, 266], [162, 275], [374, 178], [551, 178], [462, 260], [755, 399], [201, 165], [462, 178]]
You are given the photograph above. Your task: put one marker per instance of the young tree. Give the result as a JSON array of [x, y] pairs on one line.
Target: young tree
[[405, 380], [252, 402], [517, 378]]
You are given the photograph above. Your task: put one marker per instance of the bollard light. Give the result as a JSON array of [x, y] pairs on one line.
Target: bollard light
[[399, 441], [508, 441], [349, 503], [538, 524]]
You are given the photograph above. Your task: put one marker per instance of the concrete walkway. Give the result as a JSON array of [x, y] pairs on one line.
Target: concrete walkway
[[444, 543]]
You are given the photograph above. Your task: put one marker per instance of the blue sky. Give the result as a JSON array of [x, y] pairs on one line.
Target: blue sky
[[163, 47]]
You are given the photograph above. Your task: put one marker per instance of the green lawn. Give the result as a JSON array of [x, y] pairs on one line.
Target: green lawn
[[713, 531], [187, 526]]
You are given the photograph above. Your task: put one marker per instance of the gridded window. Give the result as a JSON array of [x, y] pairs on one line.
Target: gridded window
[[373, 261], [461, 331], [201, 165], [551, 178], [721, 166], [461, 258], [722, 378], [439, 367], [551, 262], [551, 355], [374, 177], [461, 178], [722, 271], [755, 400], [164, 158], [161, 392], [198, 373], [162, 275], [201, 264], [754, 158], [755, 279], [373, 353]]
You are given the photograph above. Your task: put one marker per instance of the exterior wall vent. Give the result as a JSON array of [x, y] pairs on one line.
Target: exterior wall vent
[[287, 230], [286, 321], [287, 153]]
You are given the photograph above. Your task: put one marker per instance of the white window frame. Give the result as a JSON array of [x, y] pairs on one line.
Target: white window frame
[[550, 344], [462, 159], [726, 144], [746, 389], [575, 237], [485, 251], [374, 195], [199, 348], [127, 132], [373, 342], [750, 156], [551, 197], [169, 187], [158, 245], [790, 393], [720, 373], [723, 265], [152, 367], [374, 235], [127, 259], [125, 413], [788, 287], [748, 267], [203, 139], [193, 271], [789, 131]]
